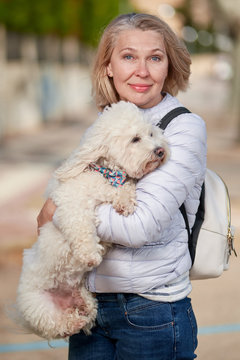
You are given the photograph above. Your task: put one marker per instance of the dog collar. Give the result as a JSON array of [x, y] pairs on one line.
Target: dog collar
[[115, 177]]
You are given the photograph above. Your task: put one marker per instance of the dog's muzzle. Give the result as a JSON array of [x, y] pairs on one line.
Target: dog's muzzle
[[160, 152]]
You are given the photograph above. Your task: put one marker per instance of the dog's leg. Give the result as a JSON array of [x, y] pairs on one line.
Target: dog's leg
[[76, 214], [79, 230], [125, 200]]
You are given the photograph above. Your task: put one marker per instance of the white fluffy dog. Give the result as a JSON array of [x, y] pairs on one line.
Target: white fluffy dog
[[52, 300]]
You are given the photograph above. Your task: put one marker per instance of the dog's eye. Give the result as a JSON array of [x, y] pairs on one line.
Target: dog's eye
[[136, 139], [151, 134]]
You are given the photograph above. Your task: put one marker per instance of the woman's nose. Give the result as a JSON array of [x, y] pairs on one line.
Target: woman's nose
[[142, 69]]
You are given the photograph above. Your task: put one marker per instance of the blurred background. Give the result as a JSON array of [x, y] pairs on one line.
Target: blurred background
[[46, 53]]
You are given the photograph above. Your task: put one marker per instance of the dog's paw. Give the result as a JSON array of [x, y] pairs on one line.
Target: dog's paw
[[125, 208], [125, 203], [89, 256], [94, 262], [93, 258]]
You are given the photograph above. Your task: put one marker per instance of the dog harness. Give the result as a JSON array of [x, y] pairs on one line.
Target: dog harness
[[115, 177]]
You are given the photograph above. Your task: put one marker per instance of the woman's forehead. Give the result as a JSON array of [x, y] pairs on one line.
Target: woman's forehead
[[136, 39]]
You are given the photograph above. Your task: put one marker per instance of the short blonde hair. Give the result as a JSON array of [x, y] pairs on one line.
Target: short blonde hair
[[178, 56]]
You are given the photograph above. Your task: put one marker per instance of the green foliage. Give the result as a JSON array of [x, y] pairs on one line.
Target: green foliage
[[82, 18], [94, 15]]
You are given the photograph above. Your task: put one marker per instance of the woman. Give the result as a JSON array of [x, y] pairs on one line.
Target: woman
[[142, 285]]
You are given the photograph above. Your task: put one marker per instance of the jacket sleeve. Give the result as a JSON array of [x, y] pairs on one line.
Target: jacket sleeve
[[160, 193]]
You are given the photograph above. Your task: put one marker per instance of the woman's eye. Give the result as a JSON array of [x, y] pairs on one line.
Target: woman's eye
[[128, 57], [155, 58], [136, 139]]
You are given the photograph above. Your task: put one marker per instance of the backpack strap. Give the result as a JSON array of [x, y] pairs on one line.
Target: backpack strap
[[193, 239], [184, 214], [162, 124]]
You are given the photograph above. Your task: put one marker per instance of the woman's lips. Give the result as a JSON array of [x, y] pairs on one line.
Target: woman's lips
[[140, 87]]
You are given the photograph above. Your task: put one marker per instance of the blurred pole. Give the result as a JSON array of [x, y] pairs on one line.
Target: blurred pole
[[2, 44], [2, 82], [236, 82], [231, 9]]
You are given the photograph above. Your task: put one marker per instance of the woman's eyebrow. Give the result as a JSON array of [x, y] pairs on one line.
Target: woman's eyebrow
[[150, 51], [158, 49], [128, 49]]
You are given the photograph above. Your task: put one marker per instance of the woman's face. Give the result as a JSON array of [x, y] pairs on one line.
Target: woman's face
[[139, 67]]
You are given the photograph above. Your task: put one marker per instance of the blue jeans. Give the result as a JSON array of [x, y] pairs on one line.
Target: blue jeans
[[131, 327]]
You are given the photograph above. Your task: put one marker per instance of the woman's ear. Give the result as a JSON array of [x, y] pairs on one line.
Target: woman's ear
[[109, 70]]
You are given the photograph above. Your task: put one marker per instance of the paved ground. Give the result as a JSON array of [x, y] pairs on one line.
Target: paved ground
[[25, 165]]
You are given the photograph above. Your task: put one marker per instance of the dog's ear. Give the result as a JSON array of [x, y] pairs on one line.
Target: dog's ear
[[80, 160]]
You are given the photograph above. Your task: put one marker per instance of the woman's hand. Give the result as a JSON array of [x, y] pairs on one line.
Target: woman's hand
[[46, 213]]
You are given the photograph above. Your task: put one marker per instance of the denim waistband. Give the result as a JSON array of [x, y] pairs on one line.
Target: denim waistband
[[114, 296]]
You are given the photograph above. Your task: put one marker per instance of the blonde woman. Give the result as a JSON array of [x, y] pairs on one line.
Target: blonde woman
[[142, 285]]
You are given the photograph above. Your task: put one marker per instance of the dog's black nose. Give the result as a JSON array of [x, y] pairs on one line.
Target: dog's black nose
[[160, 152]]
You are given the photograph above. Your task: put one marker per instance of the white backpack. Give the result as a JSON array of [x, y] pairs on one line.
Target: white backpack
[[211, 238]]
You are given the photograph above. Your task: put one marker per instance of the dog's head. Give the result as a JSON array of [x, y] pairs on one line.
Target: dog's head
[[121, 138]]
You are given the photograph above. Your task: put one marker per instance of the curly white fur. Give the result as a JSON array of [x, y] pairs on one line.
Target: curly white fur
[[52, 300]]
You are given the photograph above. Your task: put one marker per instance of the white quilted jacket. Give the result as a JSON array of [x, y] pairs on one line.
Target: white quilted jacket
[[150, 246]]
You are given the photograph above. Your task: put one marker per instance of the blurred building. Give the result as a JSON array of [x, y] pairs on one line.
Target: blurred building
[[42, 79]]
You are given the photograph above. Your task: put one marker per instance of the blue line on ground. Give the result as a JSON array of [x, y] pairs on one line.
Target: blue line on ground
[[218, 329], [38, 345], [44, 345]]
